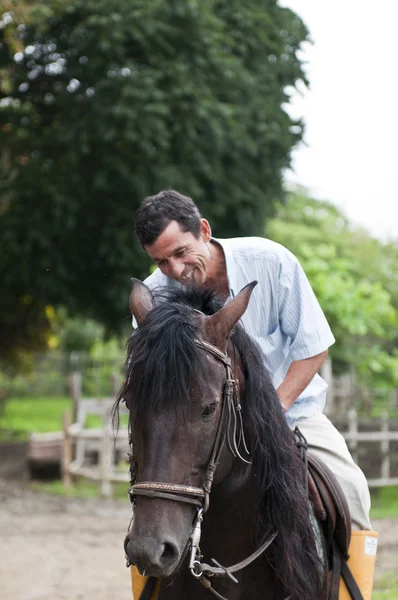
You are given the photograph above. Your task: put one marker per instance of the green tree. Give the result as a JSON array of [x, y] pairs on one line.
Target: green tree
[[77, 334], [354, 277], [108, 101]]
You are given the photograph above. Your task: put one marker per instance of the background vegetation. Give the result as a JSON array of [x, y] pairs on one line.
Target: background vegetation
[[355, 278], [102, 103]]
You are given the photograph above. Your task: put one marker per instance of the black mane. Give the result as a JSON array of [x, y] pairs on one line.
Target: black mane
[[161, 358], [163, 341]]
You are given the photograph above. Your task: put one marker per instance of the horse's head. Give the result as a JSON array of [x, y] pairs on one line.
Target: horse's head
[[176, 374]]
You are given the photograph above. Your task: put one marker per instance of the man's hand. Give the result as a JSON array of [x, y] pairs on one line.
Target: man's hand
[[298, 377]]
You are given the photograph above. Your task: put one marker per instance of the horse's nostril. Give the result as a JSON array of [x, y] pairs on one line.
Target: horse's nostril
[[169, 552], [147, 553]]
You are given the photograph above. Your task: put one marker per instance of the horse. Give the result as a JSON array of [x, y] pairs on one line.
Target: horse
[[215, 468]]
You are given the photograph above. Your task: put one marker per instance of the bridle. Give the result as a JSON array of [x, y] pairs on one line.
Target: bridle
[[229, 430]]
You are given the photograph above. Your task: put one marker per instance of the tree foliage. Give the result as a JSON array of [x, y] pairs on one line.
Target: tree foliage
[[355, 278], [104, 102]]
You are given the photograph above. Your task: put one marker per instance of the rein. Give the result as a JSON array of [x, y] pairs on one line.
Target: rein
[[233, 434]]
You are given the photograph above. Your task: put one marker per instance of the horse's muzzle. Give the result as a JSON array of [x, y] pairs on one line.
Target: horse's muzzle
[[151, 557]]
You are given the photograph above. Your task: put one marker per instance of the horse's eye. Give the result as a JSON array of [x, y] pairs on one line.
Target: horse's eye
[[209, 410]]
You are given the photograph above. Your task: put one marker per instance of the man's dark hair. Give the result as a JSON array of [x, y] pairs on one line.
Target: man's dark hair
[[156, 212]]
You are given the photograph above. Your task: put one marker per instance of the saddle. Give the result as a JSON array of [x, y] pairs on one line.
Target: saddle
[[331, 509], [330, 505]]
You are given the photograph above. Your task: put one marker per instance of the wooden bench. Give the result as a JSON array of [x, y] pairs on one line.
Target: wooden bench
[[82, 442], [44, 452]]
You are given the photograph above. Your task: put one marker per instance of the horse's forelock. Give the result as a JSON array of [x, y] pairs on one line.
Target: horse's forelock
[[162, 358]]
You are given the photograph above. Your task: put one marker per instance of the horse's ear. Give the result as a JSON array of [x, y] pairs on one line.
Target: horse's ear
[[218, 327], [141, 301]]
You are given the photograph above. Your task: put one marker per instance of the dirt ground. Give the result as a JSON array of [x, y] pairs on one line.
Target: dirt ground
[[72, 549]]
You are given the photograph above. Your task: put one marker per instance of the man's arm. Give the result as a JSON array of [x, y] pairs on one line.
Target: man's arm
[[298, 377]]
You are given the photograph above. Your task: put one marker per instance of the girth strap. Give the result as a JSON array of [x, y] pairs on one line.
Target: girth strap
[[341, 568], [350, 582]]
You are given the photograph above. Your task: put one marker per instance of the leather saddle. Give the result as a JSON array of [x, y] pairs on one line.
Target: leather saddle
[[330, 505]]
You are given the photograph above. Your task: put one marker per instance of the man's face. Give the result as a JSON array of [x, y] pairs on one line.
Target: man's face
[[180, 255]]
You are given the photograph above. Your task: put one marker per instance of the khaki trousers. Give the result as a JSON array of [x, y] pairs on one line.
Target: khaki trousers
[[326, 443]]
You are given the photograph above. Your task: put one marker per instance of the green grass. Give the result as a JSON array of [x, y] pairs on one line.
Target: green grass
[[82, 488], [23, 416], [387, 587], [9, 435], [385, 503]]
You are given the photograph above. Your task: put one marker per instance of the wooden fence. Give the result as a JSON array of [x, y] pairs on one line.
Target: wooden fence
[[345, 392], [383, 437], [80, 440]]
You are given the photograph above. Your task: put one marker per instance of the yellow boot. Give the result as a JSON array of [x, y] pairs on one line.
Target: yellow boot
[[138, 582], [362, 551]]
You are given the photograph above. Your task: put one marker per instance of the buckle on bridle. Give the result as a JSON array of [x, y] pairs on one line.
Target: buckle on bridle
[[195, 555]]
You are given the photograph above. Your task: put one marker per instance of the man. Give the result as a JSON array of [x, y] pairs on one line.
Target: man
[[283, 317]]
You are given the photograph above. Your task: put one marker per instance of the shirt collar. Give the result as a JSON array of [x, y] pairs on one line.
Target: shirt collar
[[229, 263]]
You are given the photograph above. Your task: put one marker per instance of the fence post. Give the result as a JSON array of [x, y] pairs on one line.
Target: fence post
[[67, 450], [385, 447], [76, 392], [106, 456], [353, 430]]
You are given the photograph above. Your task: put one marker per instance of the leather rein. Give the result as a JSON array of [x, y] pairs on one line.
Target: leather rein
[[229, 430]]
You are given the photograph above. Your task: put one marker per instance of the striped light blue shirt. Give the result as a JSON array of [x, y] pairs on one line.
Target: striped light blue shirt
[[283, 316]]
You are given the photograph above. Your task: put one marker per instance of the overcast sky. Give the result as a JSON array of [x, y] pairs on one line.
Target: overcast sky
[[350, 155]]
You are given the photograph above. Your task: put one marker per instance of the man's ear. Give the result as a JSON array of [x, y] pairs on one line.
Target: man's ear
[[218, 327], [141, 301], [205, 230]]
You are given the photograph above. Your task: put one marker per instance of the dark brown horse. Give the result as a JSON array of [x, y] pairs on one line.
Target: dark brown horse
[[211, 442]]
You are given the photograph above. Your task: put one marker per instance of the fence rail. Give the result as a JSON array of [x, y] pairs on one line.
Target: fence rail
[[384, 436]]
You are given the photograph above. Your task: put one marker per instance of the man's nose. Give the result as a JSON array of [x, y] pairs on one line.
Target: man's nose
[[176, 268]]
